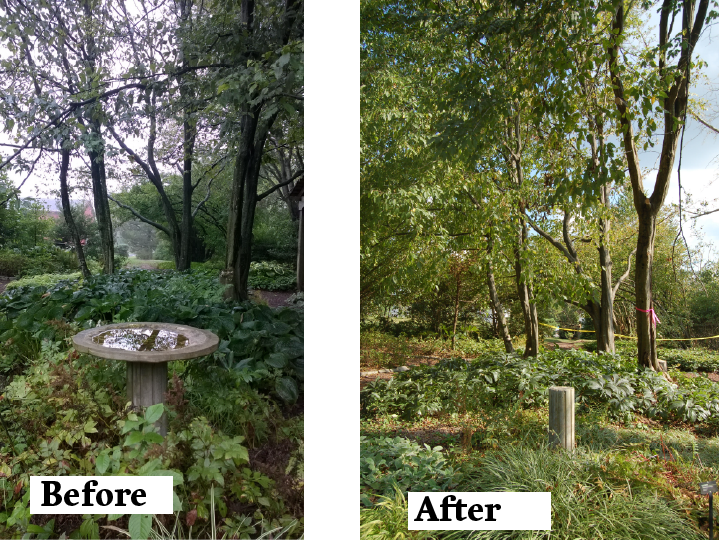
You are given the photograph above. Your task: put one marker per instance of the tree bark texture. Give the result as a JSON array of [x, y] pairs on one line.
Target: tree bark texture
[[188, 146], [67, 212], [102, 210], [456, 309], [674, 104], [242, 208], [646, 330], [526, 300], [186, 230], [245, 179], [499, 311]]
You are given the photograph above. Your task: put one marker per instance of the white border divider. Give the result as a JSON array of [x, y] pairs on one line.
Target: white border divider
[[475, 511]]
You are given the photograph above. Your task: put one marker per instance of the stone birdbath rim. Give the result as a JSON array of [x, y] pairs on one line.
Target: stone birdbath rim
[[197, 342], [147, 347]]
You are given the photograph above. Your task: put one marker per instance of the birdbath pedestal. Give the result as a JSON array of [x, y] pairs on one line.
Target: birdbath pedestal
[[147, 348]]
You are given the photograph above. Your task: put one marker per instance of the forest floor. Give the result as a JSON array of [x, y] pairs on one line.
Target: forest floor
[[368, 375], [372, 374], [144, 264], [274, 299], [3, 282], [564, 344]]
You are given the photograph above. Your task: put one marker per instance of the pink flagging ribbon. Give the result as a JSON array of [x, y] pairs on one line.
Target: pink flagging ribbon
[[655, 319]]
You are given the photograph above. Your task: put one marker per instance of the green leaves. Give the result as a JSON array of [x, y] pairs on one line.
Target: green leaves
[[137, 437], [153, 413], [139, 526], [277, 360], [102, 462], [286, 388]]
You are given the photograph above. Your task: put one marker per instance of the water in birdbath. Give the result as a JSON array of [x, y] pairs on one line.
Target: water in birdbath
[[141, 339]]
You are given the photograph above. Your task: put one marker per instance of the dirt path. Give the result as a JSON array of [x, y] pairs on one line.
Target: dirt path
[[3, 282], [367, 374], [564, 346]]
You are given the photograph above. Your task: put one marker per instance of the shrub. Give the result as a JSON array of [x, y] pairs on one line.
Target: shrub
[[43, 280], [390, 463], [12, 263], [65, 413], [587, 502], [207, 265], [272, 276], [695, 359], [37, 260], [611, 382], [387, 520], [263, 346]]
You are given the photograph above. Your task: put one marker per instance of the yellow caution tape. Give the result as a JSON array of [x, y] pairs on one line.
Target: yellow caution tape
[[567, 329], [628, 337]]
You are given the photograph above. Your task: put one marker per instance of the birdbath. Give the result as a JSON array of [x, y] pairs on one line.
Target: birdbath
[[147, 348]]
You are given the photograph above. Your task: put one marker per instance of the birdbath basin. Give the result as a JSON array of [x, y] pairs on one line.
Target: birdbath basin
[[147, 348]]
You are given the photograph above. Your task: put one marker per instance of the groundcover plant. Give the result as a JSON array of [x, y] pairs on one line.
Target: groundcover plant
[[522, 229], [644, 442], [234, 446]]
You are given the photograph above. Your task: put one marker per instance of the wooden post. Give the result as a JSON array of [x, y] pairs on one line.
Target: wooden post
[[561, 417], [146, 385]]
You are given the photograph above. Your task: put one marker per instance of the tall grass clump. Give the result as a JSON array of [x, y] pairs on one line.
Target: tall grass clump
[[585, 504]]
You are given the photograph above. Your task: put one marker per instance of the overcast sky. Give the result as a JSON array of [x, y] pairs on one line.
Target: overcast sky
[[700, 156]]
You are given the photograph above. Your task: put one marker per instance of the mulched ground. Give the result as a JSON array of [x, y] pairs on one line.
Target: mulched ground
[[409, 362], [711, 376], [563, 346]]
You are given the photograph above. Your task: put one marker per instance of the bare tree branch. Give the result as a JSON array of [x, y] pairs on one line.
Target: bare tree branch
[[556, 243], [140, 217], [704, 214], [697, 118], [625, 275], [278, 186], [16, 190]]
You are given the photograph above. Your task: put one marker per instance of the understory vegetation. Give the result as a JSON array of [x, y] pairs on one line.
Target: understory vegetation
[[235, 439], [518, 233], [477, 420]]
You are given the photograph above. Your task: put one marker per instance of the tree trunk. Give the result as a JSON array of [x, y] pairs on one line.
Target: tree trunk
[[496, 304], [186, 232], [456, 311], [605, 330], [646, 331], [605, 337], [529, 309], [244, 199], [674, 102], [253, 135], [188, 145], [97, 154], [594, 310], [102, 209], [67, 212], [534, 322]]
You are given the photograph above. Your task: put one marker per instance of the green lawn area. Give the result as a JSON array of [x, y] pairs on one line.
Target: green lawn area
[[134, 262]]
